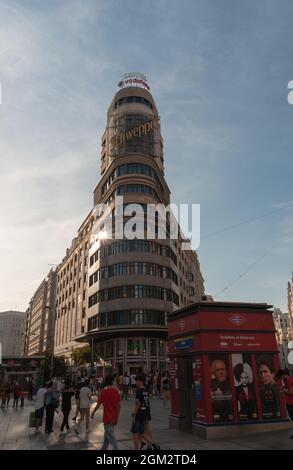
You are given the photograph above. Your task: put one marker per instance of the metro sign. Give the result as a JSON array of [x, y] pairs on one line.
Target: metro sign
[[237, 319]]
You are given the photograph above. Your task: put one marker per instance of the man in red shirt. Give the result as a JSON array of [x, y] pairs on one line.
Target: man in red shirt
[[287, 389], [111, 401]]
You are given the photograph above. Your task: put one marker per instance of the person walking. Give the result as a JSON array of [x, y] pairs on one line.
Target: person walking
[[21, 395], [287, 390], [7, 393], [111, 401], [67, 394], [51, 404], [119, 382], [15, 394], [159, 378], [165, 388], [3, 395], [126, 382], [77, 388], [100, 385], [133, 383], [40, 405], [140, 413], [30, 389], [85, 395]]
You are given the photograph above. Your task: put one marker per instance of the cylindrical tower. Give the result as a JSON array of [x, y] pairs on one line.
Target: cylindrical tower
[[134, 283]]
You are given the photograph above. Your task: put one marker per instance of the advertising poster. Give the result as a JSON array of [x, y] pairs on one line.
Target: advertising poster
[[221, 389], [244, 386], [198, 388], [268, 387]]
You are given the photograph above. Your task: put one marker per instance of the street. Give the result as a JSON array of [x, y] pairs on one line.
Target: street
[[16, 435]]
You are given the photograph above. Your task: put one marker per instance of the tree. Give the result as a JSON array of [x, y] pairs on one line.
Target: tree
[[82, 356], [59, 367]]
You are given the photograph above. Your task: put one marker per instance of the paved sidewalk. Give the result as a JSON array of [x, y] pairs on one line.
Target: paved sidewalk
[[15, 433]]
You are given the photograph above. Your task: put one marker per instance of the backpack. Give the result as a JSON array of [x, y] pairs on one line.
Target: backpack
[[51, 399]]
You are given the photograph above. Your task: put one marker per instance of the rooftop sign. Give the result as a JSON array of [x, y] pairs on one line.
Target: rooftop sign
[[134, 79]]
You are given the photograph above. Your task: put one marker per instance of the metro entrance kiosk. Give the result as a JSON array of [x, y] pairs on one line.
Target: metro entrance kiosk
[[223, 362]]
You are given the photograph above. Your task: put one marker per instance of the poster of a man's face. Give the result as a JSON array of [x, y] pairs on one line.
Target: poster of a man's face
[[221, 394], [244, 387], [268, 387]]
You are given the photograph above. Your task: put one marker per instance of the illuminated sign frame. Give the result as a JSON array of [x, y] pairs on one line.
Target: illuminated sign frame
[[134, 78]]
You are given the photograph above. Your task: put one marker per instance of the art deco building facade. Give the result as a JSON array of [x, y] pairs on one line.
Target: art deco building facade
[[132, 284]]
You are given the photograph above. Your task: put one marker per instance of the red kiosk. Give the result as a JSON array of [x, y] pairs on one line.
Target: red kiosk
[[223, 363]]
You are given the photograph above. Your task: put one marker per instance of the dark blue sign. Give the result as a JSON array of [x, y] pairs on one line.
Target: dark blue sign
[[184, 343]]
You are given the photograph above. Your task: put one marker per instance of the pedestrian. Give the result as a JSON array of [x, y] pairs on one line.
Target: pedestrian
[[67, 394], [159, 378], [30, 389], [140, 413], [3, 395], [85, 395], [111, 401], [7, 393], [149, 383], [155, 381], [119, 382], [77, 388], [133, 383], [21, 395], [165, 388], [287, 389], [100, 384], [40, 405], [15, 394], [51, 404], [126, 382]]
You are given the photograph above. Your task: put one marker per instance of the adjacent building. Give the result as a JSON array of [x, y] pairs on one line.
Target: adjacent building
[[283, 335], [39, 332], [12, 328]]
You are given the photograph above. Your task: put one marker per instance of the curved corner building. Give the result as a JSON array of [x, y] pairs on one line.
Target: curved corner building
[[134, 283]]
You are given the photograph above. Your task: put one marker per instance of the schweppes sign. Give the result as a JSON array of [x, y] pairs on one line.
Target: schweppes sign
[[138, 131]]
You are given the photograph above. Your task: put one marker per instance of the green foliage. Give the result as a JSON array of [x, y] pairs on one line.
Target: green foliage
[[82, 356]]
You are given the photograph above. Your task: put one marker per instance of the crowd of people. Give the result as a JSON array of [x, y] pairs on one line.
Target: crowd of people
[[58, 395], [15, 390], [110, 391]]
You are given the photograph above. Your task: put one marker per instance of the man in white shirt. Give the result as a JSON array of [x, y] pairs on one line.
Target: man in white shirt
[[85, 395], [40, 405]]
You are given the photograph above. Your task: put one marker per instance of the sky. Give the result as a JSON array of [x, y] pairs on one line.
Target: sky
[[218, 72]]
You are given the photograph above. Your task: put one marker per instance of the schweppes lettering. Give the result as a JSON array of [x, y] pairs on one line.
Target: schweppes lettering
[[137, 131]]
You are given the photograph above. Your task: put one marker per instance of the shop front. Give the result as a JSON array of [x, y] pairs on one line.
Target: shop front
[[223, 366]]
